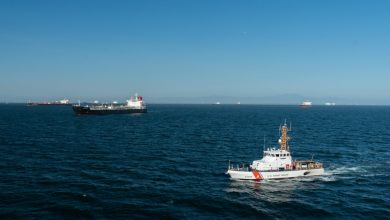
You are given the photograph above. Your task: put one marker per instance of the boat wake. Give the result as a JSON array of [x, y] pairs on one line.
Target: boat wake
[[326, 177], [347, 170]]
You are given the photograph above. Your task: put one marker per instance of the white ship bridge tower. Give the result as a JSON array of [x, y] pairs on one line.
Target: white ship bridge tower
[[276, 159]]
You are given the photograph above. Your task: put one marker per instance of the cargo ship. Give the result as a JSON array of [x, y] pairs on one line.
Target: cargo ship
[[276, 164], [61, 102], [133, 105]]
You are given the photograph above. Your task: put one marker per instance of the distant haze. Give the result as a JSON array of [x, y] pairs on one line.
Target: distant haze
[[253, 52], [271, 100]]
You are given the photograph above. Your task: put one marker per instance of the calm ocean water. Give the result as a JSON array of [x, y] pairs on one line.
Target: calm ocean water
[[170, 163]]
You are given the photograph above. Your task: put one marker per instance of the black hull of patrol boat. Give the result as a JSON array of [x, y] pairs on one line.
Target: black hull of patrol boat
[[84, 110]]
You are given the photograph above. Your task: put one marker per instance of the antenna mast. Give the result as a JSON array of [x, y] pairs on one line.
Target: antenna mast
[[283, 141]]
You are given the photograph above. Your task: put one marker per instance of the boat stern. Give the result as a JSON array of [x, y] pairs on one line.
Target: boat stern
[[314, 172]]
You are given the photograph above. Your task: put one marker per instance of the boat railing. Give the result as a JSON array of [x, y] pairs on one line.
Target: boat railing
[[239, 167], [309, 165], [109, 107]]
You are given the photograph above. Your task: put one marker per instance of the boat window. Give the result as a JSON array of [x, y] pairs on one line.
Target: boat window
[[277, 155], [284, 155]]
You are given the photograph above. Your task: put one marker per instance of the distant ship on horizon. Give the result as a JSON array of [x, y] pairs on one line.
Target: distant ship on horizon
[[306, 104], [330, 103], [60, 102]]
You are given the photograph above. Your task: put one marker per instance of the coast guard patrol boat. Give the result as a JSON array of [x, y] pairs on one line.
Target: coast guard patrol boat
[[276, 164]]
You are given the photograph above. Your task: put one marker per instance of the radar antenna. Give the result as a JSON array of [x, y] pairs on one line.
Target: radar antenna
[[280, 129]]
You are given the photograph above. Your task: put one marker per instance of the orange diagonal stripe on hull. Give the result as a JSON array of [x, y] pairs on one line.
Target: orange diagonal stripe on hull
[[257, 175]]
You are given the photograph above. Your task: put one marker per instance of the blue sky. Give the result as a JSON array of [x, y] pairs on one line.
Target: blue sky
[[188, 49]]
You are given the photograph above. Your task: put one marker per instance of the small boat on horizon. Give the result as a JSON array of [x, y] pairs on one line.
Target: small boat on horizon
[[306, 104], [276, 164]]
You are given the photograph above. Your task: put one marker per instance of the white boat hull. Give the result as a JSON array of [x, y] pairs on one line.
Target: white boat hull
[[262, 175]]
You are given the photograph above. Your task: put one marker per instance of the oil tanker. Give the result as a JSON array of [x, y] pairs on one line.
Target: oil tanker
[[133, 105], [61, 102]]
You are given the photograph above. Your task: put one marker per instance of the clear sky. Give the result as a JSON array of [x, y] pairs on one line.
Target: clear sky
[[163, 48]]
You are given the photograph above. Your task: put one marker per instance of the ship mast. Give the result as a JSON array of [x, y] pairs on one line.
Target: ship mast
[[283, 140]]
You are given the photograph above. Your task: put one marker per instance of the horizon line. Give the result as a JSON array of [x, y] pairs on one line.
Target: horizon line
[[235, 104]]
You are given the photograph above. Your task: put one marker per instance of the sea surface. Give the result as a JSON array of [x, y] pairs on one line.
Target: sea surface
[[170, 163]]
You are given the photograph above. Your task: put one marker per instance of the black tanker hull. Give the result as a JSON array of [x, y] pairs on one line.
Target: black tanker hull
[[83, 110]]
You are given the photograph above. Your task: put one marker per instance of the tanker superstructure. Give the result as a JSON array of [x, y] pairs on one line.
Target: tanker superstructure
[[133, 105]]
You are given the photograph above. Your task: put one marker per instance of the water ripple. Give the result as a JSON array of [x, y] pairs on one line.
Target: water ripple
[[170, 163]]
